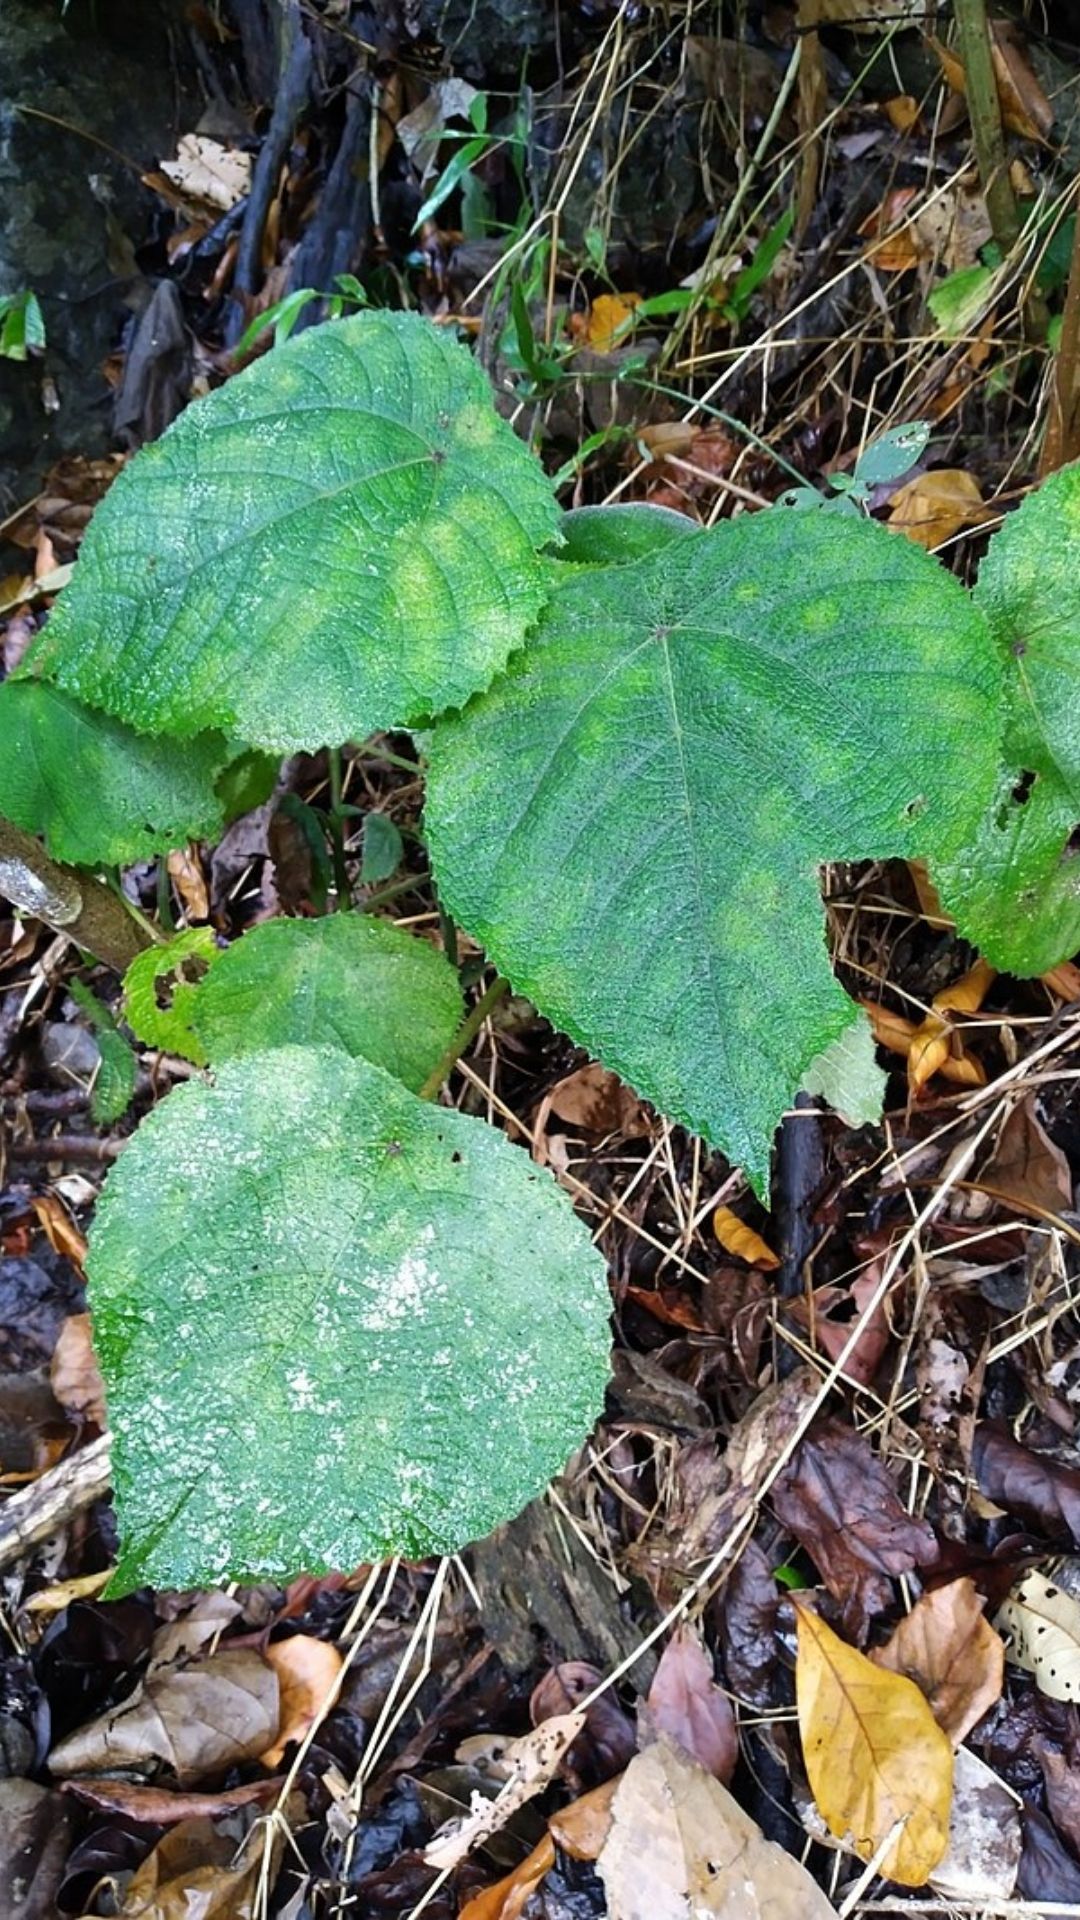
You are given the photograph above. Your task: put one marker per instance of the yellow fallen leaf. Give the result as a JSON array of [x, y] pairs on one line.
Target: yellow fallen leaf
[[307, 1671], [934, 506], [876, 1759], [608, 319], [902, 111], [893, 1031], [934, 1040], [736, 1237]]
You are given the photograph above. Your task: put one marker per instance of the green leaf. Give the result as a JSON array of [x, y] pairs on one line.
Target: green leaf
[[247, 782], [114, 1083], [632, 819], [609, 536], [960, 299], [340, 539], [101, 794], [22, 325], [335, 1323], [1015, 891], [848, 1077], [346, 980], [382, 849], [892, 453], [160, 990]]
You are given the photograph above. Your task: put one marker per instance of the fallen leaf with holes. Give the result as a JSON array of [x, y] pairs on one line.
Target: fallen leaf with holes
[[192, 1722], [836, 1497], [598, 1102], [933, 1041], [736, 1237], [74, 1374], [685, 1705], [891, 1030], [610, 320], [1041, 1624], [681, 1848], [948, 1648], [876, 1759], [160, 1807], [309, 1673], [1026, 1169], [1039, 1490], [980, 1863], [935, 506], [534, 1761], [205, 170]]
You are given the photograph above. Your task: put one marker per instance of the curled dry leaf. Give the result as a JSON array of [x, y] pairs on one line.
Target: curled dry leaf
[[309, 1674], [983, 1854], [934, 506], [736, 1237], [193, 1722], [934, 1040], [1037, 1489], [836, 1497], [597, 1101], [196, 1870], [891, 1030], [74, 1374], [159, 1807], [685, 1705], [951, 1652], [534, 1761], [1041, 1624], [59, 1228], [681, 1848], [877, 1761], [1026, 1169]]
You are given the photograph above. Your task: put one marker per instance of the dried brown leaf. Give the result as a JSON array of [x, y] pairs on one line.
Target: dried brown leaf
[[1026, 1169], [508, 1897], [194, 1874], [309, 1673], [74, 1374], [949, 1649], [1040, 1491], [193, 1722], [598, 1102], [685, 1705], [535, 1760], [159, 1807]]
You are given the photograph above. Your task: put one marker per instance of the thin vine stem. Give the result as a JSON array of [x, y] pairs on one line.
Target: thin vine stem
[[466, 1033]]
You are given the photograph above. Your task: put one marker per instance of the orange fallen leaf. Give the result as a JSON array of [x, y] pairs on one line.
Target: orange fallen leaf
[[903, 112], [609, 315], [933, 1041], [1025, 108], [736, 1237], [186, 874], [948, 1648], [893, 1031], [895, 248], [307, 1671], [59, 1228], [507, 1898], [877, 1761], [934, 506], [1063, 980], [582, 1828]]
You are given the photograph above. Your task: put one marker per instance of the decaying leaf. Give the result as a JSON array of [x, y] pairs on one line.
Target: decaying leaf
[[507, 1898], [161, 1807], [681, 1848], [1062, 1792], [533, 1760], [35, 1840], [686, 1706], [205, 170], [934, 506], [1041, 1624], [308, 1672], [951, 1652], [934, 1039], [1026, 1169], [74, 1374], [736, 1237], [598, 1101], [1042, 1492], [877, 1761], [192, 1722], [983, 1853], [582, 1828], [196, 1873]]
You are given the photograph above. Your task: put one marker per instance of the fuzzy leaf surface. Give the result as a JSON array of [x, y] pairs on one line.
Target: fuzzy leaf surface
[[341, 538], [98, 792], [334, 1322], [344, 980], [632, 818], [1015, 890]]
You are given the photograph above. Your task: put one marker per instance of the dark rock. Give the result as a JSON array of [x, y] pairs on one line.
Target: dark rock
[[487, 37]]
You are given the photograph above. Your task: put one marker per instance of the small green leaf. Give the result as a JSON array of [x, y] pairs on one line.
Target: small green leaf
[[848, 1077], [160, 990], [382, 849], [247, 782], [114, 1083], [893, 453], [1015, 890], [335, 1323], [343, 538], [100, 794], [346, 980], [632, 819], [22, 326], [960, 299]]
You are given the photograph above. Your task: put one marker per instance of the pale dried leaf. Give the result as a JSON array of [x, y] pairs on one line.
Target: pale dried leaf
[[534, 1760], [309, 1674], [1041, 1625], [205, 170], [935, 506], [193, 1721], [985, 1839], [951, 1652]]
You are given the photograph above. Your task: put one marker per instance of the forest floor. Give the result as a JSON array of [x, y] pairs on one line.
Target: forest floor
[[705, 255]]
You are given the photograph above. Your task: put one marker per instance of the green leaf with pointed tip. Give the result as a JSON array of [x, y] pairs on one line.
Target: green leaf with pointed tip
[[848, 1077], [610, 536], [345, 980], [101, 794], [161, 987], [335, 1322], [342, 538], [1015, 891], [631, 820]]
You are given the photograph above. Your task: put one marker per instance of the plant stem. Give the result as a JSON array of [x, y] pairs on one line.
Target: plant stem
[[1062, 441], [337, 833], [466, 1033], [984, 108], [69, 902], [410, 884]]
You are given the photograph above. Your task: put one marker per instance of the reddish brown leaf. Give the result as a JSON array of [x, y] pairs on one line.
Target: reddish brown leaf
[[1062, 1792], [838, 1500], [950, 1650], [1036, 1489], [608, 1742], [1026, 1169], [158, 1807], [685, 1704], [748, 1627], [1047, 1871]]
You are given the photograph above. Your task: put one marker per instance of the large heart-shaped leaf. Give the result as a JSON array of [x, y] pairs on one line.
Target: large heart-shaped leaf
[[342, 538], [631, 820], [99, 793], [1016, 889], [346, 980], [334, 1322]]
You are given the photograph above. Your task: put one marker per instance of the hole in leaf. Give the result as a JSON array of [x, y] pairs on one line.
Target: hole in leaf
[[915, 807], [186, 972], [1023, 787]]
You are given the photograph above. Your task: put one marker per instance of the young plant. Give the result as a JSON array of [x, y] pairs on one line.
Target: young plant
[[334, 1320]]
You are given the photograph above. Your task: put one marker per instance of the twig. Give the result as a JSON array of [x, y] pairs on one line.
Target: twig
[[293, 86], [71, 903], [468, 1030], [66, 1146], [1062, 442], [43, 1509], [984, 108]]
